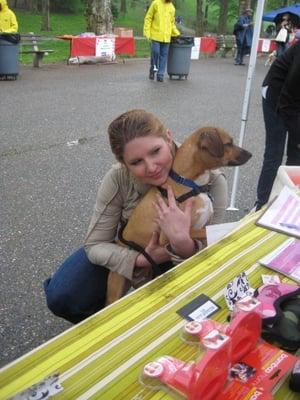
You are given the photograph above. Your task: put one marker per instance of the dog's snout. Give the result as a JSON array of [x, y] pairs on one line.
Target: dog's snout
[[241, 158]]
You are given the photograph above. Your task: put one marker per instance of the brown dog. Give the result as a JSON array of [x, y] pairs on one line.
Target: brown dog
[[205, 149]]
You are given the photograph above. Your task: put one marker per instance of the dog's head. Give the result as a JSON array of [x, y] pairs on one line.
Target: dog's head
[[216, 148]]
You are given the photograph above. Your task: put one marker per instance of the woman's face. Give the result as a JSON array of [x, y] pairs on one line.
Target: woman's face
[[149, 158]]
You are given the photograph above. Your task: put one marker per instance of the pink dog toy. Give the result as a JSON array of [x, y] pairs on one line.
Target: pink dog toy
[[244, 329], [271, 294], [201, 380]]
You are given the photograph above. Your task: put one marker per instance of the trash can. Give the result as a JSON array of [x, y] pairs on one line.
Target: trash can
[[9, 55], [179, 58]]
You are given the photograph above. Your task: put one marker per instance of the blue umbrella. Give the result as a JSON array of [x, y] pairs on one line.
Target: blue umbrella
[[273, 15]]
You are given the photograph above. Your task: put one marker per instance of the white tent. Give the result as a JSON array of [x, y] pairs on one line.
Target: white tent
[[251, 70]]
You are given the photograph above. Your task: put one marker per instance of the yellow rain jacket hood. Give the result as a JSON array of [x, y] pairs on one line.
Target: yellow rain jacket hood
[[8, 20], [159, 23]]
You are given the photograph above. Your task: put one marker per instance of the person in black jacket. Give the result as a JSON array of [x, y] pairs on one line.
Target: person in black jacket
[[281, 110]]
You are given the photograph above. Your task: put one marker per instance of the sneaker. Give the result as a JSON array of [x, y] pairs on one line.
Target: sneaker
[[151, 75], [159, 78]]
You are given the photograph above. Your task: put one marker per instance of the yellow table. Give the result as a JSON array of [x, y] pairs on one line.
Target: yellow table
[[102, 357]]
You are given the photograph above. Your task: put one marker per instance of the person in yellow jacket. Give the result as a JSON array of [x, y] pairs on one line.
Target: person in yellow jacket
[[8, 20], [159, 27]]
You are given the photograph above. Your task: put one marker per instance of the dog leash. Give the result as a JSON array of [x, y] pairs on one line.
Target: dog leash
[[156, 270]]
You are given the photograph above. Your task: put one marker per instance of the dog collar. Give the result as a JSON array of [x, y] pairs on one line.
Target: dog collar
[[196, 189], [184, 181], [185, 196]]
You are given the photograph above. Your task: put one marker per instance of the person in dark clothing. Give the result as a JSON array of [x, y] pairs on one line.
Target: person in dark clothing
[[284, 28], [281, 110], [243, 30], [270, 31]]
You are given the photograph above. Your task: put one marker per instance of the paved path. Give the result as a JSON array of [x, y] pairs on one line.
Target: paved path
[[49, 185]]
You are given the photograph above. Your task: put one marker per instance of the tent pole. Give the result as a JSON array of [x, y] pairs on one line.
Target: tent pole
[[251, 70]]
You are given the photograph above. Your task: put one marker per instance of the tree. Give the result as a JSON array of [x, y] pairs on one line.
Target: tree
[[45, 15], [123, 7], [31, 5], [99, 16], [199, 18], [222, 23]]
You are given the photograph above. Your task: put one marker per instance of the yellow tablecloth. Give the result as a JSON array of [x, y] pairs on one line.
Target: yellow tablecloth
[[102, 357]]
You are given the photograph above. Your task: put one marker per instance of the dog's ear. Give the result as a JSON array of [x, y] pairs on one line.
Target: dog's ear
[[210, 141]]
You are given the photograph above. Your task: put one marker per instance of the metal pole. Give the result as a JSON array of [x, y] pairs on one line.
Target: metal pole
[[251, 70]]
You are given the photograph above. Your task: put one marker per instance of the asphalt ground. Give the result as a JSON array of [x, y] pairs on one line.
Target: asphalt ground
[[49, 182]]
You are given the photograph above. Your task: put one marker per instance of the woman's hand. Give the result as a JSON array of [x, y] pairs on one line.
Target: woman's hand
[[176, 224], [155, 251]]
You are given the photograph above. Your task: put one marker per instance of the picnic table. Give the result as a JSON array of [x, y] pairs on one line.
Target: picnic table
[[86, 46], [103, 356]]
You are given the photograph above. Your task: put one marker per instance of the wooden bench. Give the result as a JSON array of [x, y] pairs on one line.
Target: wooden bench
[[30, 39], [226, 43]]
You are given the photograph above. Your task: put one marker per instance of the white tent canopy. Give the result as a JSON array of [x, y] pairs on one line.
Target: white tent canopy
[[250, 74]]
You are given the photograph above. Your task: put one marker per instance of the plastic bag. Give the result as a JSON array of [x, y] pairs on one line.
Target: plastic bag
[[13, 38], [183, 40], [237, 27], [282, 35]]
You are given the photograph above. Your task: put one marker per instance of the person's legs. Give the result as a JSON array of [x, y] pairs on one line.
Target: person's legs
[[163, 56], [243, 53], [154, 60], [274, 150], [238, 57], [77, 289]]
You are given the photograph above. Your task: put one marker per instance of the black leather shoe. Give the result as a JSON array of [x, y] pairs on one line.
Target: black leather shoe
[[151, 75], [160, 78]]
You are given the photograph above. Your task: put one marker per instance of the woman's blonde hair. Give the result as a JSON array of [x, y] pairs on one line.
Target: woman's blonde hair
[[131, 125]]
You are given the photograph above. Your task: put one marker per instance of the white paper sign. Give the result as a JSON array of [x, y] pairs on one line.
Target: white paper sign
[[105, 47], [217, 231], [196, 49], [265, 46]]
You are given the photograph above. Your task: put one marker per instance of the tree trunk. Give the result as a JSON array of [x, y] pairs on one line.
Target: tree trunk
[[98, 16], [45, 15], [31, 5], [199, 19], [123, 7], [222, 24]]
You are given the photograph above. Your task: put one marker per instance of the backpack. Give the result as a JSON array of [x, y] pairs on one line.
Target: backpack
[[236, 28]]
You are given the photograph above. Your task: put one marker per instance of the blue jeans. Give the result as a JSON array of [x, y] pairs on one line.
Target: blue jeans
[[159, 56], [276, 133], [77, 290]]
